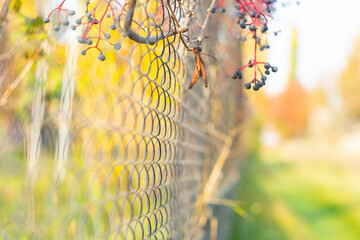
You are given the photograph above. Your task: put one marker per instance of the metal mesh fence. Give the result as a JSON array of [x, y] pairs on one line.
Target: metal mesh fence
[[118, 149]]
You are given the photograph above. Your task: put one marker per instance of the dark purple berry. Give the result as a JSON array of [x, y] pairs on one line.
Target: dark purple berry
[[239, 74], [264, 29], [117, 46], [274, 69], [252, 28], [80, 40], [247, 85], [101, 57]]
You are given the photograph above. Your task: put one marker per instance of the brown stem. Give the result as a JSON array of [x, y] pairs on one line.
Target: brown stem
[[16, 82], [136, 37], [201, 35]]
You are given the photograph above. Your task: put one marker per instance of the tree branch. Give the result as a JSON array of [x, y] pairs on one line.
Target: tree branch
[[17, 81], [149, 39], [201, 35]]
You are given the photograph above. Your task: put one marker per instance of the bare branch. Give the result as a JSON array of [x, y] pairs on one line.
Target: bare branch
[[149, 39], [17, 81], [4, 8], [201, 35]]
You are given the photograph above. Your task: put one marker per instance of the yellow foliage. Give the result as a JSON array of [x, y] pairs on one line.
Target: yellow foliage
[[349, 86]]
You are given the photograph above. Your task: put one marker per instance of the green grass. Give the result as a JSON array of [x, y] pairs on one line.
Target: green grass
[[287, 200]]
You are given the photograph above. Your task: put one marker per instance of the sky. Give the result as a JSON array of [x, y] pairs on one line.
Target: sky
[[327, 30]]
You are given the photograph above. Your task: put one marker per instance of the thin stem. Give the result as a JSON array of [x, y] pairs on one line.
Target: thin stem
[[201, 35], [136, 37], [255, 53]]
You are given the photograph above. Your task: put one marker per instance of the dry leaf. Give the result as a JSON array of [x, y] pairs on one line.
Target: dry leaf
[[199, 70]]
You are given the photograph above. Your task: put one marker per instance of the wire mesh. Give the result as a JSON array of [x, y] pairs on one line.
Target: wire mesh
[[123, 149]]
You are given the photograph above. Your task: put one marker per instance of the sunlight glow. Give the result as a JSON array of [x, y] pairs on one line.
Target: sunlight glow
[[326, 31]]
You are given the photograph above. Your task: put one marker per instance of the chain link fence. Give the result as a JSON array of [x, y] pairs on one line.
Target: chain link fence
[[119, 149]]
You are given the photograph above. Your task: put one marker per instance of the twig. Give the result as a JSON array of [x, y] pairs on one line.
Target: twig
[[180, 30], [136, 37], [7, 55], [233, 204], [212, 131], [213, 228], [17, 81], [201, 35], [4, 9], [215, 176]]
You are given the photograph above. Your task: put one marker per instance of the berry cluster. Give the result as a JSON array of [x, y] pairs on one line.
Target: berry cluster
[[92, 19], [257, 83], [220, 5], [253, 17]]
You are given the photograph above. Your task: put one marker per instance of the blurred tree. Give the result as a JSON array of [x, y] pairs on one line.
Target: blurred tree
[[4, 60], [348, 87], [290, 109], [6, 57], [4, 9]]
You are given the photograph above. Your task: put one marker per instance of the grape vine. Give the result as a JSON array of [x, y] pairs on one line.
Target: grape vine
[[93, 16], [251, 15]]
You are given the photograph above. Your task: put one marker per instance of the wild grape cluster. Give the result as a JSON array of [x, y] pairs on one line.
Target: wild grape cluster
[[219, 6], [92, 20], [252, 16]]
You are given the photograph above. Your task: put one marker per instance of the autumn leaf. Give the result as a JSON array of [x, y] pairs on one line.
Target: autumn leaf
[[199, 70]]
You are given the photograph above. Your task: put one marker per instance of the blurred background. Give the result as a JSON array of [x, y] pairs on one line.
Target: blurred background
[[294, 170], [301, 180]]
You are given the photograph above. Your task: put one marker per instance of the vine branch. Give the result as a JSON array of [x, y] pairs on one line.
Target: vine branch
[[150, 39], [206, 21]]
